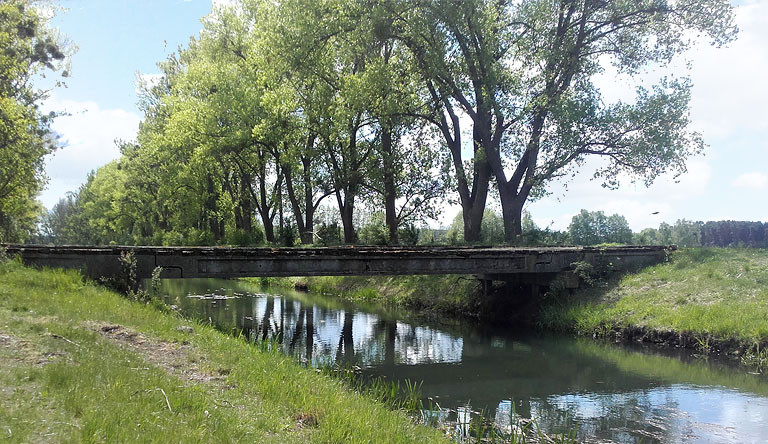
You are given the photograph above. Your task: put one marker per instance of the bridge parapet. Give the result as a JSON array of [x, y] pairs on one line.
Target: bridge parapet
[[226, 262]]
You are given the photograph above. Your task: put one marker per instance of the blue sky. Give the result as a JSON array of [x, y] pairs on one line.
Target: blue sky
[[118, 38]]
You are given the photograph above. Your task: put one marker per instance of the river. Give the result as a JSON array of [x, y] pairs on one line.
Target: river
[[606, 392]]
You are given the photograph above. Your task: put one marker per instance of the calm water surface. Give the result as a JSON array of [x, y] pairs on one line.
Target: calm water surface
[[609, 393]]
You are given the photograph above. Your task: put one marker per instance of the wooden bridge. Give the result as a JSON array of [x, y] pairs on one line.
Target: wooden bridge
[[534, 265]]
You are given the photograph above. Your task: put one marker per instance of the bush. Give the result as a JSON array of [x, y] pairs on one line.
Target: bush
[[409, 235], [242, 238], [173, 238], [327, 235], [201, 237], [375, 231], [287, 236]]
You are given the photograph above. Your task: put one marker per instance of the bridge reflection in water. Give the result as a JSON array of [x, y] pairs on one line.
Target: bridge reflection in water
[[608, 393]]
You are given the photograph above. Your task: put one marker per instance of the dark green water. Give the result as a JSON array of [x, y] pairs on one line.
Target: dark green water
[[609, 393]]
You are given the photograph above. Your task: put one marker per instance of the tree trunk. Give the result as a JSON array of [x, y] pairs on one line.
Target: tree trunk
[[210, 207], [473, 220], [264, 208], [473, 207], [246, 204], [346, 208], [512, 212], [390, 190], [297, 213], [307, 235], [472, 201], [269, 229]]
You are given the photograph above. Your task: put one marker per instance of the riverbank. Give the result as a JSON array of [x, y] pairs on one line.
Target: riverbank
[[455, 296], [79, 363], [713, 300]]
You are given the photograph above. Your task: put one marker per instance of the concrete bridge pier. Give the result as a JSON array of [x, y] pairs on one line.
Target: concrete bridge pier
[[517, 296], [535, 282]]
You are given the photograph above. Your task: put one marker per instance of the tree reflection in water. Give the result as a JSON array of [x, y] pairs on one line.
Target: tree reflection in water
[[608, 393]]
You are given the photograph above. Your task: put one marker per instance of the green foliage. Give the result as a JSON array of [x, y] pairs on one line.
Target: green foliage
[[593, 228], [585, 271], [683, 233], [734, 233], [242, 238], [409, 234], [532, 235], [375, 231], [288, 236], [328, 234], [491, 229], [205, 237], [523, 74], [277, 106], [29, 49], [174, 238]]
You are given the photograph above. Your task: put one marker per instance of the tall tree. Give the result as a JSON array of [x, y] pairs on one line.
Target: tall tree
[[407, 174], [310, 37], [27, 47], [522, 73], [290, 122]]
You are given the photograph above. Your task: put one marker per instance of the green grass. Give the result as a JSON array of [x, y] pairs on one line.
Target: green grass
[[719, 294], [64, 380], [452, 294]]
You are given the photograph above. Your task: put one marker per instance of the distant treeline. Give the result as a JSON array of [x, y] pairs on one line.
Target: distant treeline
[[683, 233], [71, 223], [728, 233]]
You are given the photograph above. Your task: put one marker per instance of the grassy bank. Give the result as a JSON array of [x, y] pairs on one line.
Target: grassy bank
[[712, 299], [455, 295], [79, 363]]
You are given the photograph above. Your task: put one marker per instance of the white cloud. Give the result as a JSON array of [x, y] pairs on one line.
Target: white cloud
[[755, 181], [558, 222], [88, 134], [634, 201], [730, 91]]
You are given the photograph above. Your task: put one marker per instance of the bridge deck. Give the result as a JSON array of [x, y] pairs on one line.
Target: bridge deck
[[225, 262]]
